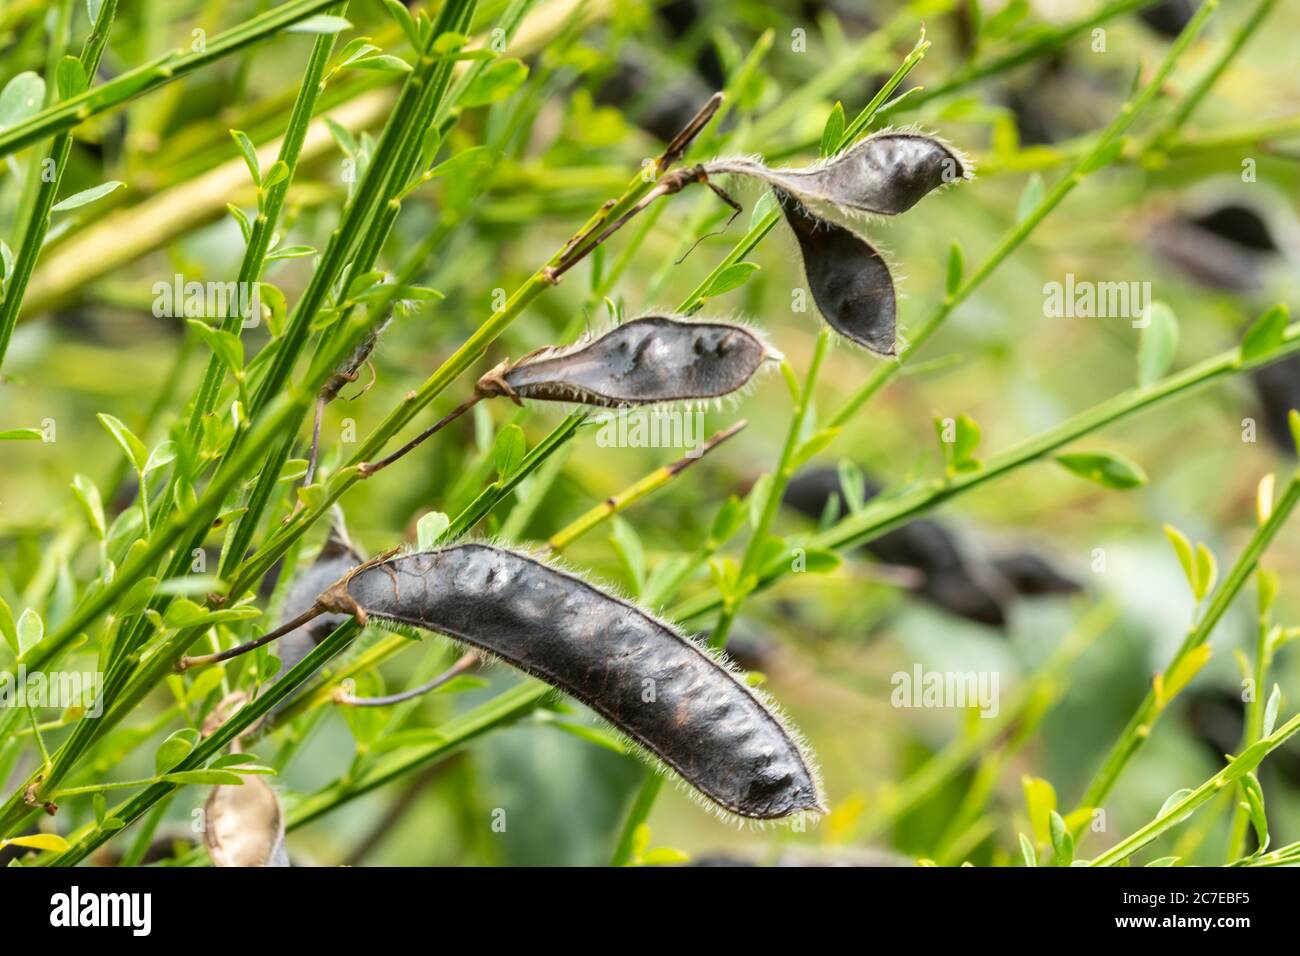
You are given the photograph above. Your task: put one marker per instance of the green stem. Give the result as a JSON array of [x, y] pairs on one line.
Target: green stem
[[150, 76], [878, 518], [1174, 815], [38, 222], [1140, 725]]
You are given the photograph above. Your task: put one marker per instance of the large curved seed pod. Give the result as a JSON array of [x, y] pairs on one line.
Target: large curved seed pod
[[849, 280], [887, 173], [646, 679], [243, 825], [653, 359]]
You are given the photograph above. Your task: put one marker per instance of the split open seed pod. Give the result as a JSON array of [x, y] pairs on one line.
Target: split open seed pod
[[670, 696], [849, 280], [244, 826], [653, 359]]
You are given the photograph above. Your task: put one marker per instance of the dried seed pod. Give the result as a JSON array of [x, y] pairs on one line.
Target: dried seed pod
[[850, 281], [886, 174], [652, 359], [660, 689], [243, 825]]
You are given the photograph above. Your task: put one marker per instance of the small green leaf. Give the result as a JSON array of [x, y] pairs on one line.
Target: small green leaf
[[241, 217], [1157, 344], [1176, 798], [226, 346], [495, 83], [277, 174], [1254, 803], [50, 842], [727, 521], [1186, 555], [249, 152], [758, 498], [1265, 333], [87, 196], [508, 450], [208, 680], [1270, 711], [1293, 421], [398, 12], [1027, 852], [1105, 468], [833, 131], [321, 23], [88, 494], [430, 528], [131, 446], [448, 42], [1040, 800], [1031, 197], [813, 446], [1062, 841], [384, 63], [70, 78], [468, 162], [956, 267], [732, 277], [30, 631], [174, 749], [1207, 571], [100, 806], [21, 98], [21, 434], [208, 778], [627, 545]]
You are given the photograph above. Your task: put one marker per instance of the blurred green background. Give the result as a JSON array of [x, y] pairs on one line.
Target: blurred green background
[[572, 136]]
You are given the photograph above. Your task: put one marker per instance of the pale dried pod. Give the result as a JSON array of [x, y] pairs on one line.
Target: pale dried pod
[[244, 825]]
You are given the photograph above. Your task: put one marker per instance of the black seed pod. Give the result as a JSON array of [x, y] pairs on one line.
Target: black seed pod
[[646, 679], [886, 174], [647, 360], [950, 581], [849, 280]]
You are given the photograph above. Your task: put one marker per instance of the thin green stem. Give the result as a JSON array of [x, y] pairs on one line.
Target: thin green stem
[[1140, 725], [1173, 815], [158, 72]]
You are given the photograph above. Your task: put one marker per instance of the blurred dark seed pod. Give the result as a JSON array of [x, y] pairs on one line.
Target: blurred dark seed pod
[[244, 826], [1217, 716], [670, 107], [1169, 16], [658, 688], [850, 281], [949, 580], [1226, 247], [885, 174], [645, 361], [750, 651], [959, 593], [337, 557], [1031, 576], [1278, 387]]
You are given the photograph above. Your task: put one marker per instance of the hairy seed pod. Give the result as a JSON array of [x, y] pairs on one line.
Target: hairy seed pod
[[653, 359], [850, 281], [651, 683], [243, 825], [885, 174]]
